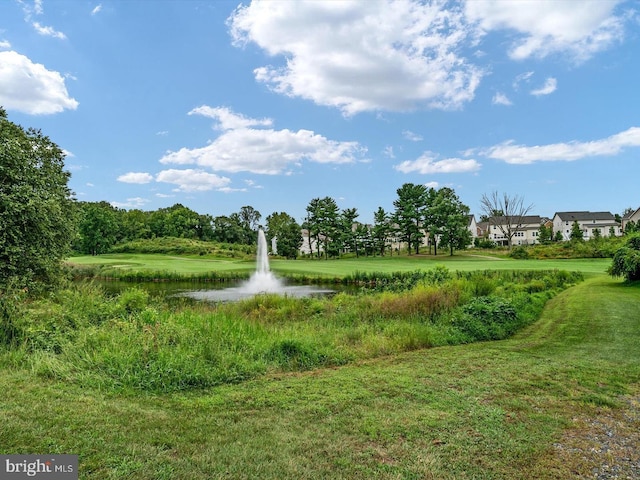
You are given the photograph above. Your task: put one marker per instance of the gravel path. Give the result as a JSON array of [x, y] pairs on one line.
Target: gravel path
[[606, 445]]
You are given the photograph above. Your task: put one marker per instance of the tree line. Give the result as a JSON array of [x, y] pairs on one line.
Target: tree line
[[329, 231]]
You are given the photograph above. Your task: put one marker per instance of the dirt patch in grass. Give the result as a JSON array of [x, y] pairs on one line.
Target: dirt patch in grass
[[604, 445]]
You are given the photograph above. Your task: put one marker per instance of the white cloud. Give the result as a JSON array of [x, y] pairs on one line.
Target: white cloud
[[30, 88], [89, 184], [48, 31], [550, 86], [580, 29], [136, 177], [501, 99], [228, 120], [388, 152], [96, 9], [414, 137], [362, 56], [136, 202], [162, 133], [5, 44], [428, 164], [432, 184], [264, 151], [523, 77], [190, 180], [67, 153], [522, 155]]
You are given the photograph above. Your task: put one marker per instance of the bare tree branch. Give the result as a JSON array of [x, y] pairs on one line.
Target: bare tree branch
[[505, 212]]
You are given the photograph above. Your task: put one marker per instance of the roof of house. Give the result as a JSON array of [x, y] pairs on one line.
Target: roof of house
[[631, 214], [526, 220], [585, 216]]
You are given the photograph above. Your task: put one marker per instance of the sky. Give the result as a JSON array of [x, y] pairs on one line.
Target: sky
[[218, 105]]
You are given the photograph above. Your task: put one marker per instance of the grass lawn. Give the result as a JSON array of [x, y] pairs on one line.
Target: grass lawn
[[334, 268], [481, 411]]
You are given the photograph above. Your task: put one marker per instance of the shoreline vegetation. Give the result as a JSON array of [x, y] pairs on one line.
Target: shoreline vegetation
[[137, 341]]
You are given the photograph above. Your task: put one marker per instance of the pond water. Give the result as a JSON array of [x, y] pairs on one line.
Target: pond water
[[218, 291]]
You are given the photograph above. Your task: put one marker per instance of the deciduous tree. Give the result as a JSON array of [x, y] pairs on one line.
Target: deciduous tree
[[513, 209], [452, 217], [37, 212], [287, 232]]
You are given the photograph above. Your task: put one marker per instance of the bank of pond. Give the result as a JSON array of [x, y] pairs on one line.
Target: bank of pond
[[138, 339]]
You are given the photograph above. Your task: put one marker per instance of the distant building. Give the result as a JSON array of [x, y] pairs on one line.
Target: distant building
[[631, 217], [527, 230], [473, 228], [589, 222]]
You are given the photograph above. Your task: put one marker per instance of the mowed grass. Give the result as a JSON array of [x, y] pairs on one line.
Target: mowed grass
[[482, 411], [189, 265], [183, 264]]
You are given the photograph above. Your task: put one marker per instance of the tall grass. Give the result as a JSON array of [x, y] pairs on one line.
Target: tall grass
[[136, 341]]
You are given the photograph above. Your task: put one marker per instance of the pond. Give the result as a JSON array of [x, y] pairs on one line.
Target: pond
[[219, 291]]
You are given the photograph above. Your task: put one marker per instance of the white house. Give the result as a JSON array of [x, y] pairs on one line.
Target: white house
[[527, 230], [589, 222], [310, 244], [473, 228], [631, 217]]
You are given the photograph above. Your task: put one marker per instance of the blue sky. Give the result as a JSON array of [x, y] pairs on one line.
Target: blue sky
[[217, 105]]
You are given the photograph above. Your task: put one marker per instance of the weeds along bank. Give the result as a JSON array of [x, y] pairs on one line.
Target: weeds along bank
[[138, 342]]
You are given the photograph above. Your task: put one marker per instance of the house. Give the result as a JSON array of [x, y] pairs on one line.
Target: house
[[483, 229], [526, 232], [589, 222], [473, 228], [310, 244], [631, 217]]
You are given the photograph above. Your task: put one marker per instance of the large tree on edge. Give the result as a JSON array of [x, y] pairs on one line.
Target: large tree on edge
[[37, 212]]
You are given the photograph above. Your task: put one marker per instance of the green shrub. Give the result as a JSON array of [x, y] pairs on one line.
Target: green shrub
[[133, 300], [487, 318], [626, 261], [520, 253]]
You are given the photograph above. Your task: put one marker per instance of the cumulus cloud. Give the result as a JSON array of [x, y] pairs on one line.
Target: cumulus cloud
[[550, 86], [263, 151], [30, 88], [5, 44], [579, 29], [521, 154], [96, 9], [228, 120], [191, 180], [501, 99], [136, 177], [362, 56], [432, 184], [428, 164]]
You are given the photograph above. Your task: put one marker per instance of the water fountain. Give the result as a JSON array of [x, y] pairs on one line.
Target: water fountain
[[262, 281]]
